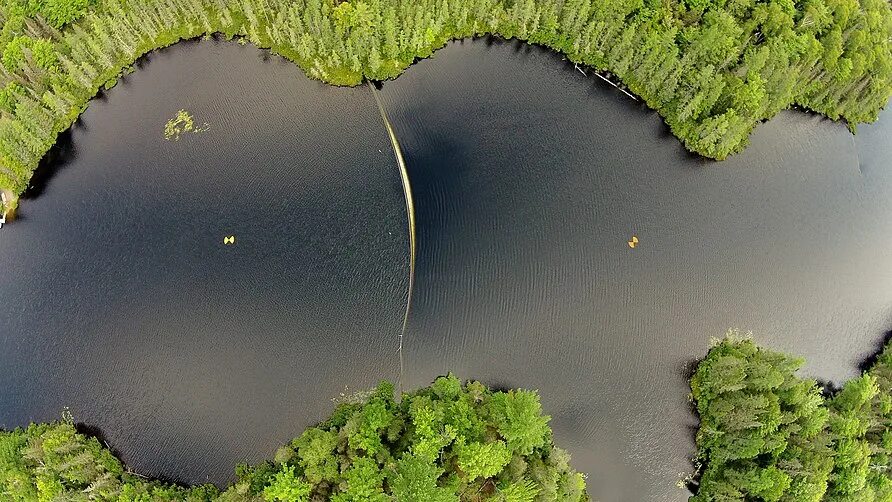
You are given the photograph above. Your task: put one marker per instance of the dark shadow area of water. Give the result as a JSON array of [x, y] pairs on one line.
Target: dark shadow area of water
[[60, 155], [871, 360]]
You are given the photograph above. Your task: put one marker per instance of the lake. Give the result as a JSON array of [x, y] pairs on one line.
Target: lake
[[121, 302]]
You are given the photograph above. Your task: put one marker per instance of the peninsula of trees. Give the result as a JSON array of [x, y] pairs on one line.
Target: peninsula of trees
[[769, 435], [712, 68], [446, 442]]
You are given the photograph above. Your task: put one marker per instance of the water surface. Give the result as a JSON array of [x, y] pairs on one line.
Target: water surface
[[529, 180], [121, 302]]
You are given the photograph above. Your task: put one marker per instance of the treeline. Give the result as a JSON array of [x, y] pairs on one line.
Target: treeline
[[768, 435], [712, 68], [446, 442]]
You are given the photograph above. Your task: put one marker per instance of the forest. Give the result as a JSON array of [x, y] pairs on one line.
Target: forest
[[446, 442], [713, 69], [768, 435]]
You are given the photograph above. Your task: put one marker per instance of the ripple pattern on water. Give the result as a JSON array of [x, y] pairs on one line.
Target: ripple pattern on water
[[530, 179]]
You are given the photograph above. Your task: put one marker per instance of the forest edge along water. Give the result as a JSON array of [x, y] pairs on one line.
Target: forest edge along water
[[713, 71]]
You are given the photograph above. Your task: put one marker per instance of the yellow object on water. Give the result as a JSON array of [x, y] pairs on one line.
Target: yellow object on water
[[634, 242], [229, 240]]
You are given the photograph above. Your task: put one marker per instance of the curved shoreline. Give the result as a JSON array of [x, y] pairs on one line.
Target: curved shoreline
[[363, 451], [345, 45], [12, 198]]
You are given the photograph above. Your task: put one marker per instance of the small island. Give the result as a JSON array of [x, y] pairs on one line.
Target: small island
[[181, 124]]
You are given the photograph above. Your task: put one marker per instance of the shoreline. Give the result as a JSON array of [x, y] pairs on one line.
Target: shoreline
[[9, 204], [709, 116]]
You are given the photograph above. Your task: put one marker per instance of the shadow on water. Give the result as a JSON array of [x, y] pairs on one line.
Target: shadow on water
[[871, 360], [318, 268], [435, 171], [63, 152], [93, 431], [265, 56], [60, 155], [830, 388], [685, 158]]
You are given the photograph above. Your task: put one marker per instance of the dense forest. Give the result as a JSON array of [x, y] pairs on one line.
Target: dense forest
[[445, 442], [712, 68], [767, 434]]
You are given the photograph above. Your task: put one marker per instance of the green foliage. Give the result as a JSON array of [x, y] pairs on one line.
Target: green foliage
[[519, 491], [50, 462], [8, 96], [285, 486], [61, 12], [518, 416], [364, 481], [484, 460], [768, 435], [762, 429], [441, 443], [182, 123], [44, 55], [712, 68], [316, 454], [14, 53], [416, 478]]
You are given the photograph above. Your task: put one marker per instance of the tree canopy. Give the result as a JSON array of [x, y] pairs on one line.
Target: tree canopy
[[446, 442], [768, 435]]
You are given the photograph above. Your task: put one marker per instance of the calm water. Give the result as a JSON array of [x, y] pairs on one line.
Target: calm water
[[121, 302]]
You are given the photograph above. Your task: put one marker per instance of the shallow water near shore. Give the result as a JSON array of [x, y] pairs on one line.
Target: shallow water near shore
[[121, 302]]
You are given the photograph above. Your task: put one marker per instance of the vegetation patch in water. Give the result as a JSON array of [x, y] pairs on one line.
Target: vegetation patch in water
[[183, 122], [767, 434], [446, 442], [712, 68]]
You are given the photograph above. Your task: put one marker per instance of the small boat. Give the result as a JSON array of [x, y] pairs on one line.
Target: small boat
[[3, 215]]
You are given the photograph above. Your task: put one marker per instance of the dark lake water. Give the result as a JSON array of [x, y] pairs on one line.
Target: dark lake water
[[121, 302]]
